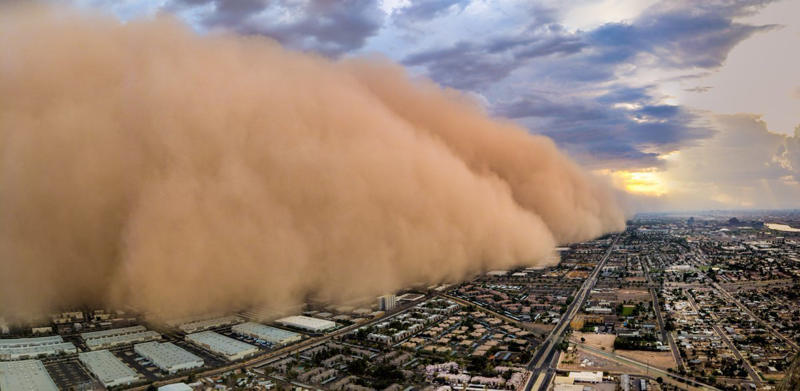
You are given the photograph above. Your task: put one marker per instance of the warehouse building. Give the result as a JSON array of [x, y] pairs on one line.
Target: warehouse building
[[306, 323], [108, 369], [587, 377], [25, 375], [27, 342], [266, 333], [228, 348], [120, 340], [205, 324], [113, 332], [28, 352], [167, 356]]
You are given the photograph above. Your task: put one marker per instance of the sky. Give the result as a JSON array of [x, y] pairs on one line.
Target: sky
[[683, 105]]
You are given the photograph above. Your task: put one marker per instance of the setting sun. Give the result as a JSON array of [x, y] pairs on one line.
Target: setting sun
[[646, 182]]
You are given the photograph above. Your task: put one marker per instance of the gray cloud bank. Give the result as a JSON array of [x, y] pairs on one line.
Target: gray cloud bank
[[143, 164]]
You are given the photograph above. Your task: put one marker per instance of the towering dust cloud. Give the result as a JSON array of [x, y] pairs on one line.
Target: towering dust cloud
[[144, 164]]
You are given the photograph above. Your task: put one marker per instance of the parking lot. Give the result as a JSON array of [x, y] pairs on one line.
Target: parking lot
[[135, 362], [209, 359], [70, 373]]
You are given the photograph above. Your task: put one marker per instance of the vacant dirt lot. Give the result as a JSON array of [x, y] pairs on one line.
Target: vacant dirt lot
[[633, 295], [583, 361], [595, 340], [661, 360]]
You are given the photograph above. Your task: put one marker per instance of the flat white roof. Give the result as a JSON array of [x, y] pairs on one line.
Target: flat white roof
[[175, 387], [20, 342], [306, 322], [107, 367], [267, 333], [204, 324], [222, 344], [37, 350], [122, 339], [112, 332], [166, 355], [25, 375]]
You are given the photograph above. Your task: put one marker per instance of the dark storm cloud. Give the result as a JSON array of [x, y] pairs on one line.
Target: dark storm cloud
[[425, 10], [473, 64], [619, 125], [327, 27], [679, 34]]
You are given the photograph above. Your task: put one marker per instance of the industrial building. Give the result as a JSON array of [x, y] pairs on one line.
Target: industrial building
[[112, 332], [175, 387], [387, 302], [28, 352], [168, 357], [27, 342], [228, 348], [306, 323], [108, 369], [587, 377], [266, 333], [27, 348], [25, 375], [120, 340], [205, 324]]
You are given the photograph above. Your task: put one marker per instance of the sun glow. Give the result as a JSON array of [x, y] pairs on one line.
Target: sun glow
[[647, 182]]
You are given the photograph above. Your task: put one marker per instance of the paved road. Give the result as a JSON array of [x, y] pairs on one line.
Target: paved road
[[750, 371], [666, 337], [643, 366], [542, 366], [766, 325]]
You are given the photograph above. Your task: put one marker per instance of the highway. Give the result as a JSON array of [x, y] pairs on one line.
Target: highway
[[542, 365]]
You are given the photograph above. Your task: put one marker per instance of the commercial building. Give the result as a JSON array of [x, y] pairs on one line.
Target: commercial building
[[175, 387], [26, 342], [108, 369], [205, 324], [27, 348], [266, 333], [587, 377], [25, 375], [120, 340], [168, 357], [387, 302], [306, 323], [112, 332], [28, 352], [228, 348]]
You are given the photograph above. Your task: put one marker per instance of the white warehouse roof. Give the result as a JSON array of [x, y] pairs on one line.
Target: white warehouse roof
[[112, 332], [115, 340], [167, 356], [229, 348], [24, 342], [175, 387], [267, 333], [306, 323], [35, 351], [205, 324], [108, 368], [25, 375]]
